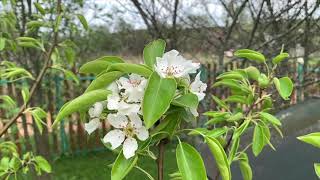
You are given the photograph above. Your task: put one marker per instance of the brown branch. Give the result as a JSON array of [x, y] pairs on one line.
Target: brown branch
[[160, 159], [38, 79]]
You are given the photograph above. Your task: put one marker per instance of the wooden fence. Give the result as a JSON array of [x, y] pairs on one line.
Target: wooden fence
[[70, 137]]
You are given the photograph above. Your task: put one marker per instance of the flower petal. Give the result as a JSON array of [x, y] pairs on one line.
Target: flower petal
[[92, 125], [130, 146], [115, 138], [96, 110], [117, 120], [194, 112], [126, 109], [198, 87], [113, 102], [135, 120], [142, 133]]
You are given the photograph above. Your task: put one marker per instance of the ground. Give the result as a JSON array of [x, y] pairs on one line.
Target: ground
[[94, 166]]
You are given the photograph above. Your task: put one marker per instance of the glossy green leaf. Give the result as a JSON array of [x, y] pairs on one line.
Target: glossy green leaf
[[279, 58], [216, 132], [153, 50], [220, 157], [122, 166], [284, 86], [237, 99], [2, 43], [263, 80], [157, 98], [317, 169], [272, 119], [234, 148], [187, 100], [190, 163], [82, 102], [245, 168], [313, 139], [39, 8], [251, 55], [99, 65], [57, 23], [235, 117], [83, 21], [241, 129], [8, 101], [253, 72], [258, 141], [231, 75], [131, 68], [43, 164], [102, 81], [219, 102]]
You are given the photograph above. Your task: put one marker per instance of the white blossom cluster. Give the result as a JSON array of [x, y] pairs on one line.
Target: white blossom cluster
[[127, 95], [171, 64], [125, 100]]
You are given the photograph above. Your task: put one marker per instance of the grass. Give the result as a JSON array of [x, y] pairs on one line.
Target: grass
[[94, 166]]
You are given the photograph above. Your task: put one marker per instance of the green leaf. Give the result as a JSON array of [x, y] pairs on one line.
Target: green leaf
[[57, 23], [220, 157], [38, 114], [317, 169], [263, 80], [99, 65], [235, 117], [104, 80], [279, 58], [270, 118], [157, 98], [219, 102], [153, 50], [237, 75], [258, 140], [234, 148], [241, 129], [190, 163], [82, 102], [313, 139], [8, 101], [237, 99], [245, 168], [25, 94], [216, 132], [83, 21], [69, 74], [170, 123], [2, 43], [131, 68], [70, 55], [253, 72], [43, 164], [122, 166], [251, 55], [40, 8], [284, 86], [187, 100]]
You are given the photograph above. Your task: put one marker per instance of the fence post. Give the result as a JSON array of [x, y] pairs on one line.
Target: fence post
[[300, 79], [59, 101]]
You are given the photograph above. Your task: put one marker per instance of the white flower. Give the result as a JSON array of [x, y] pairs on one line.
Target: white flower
[[197, 87], [96, 110], [125, 133], [194, 112], [173, 64], [134, 87], [92, 125]]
